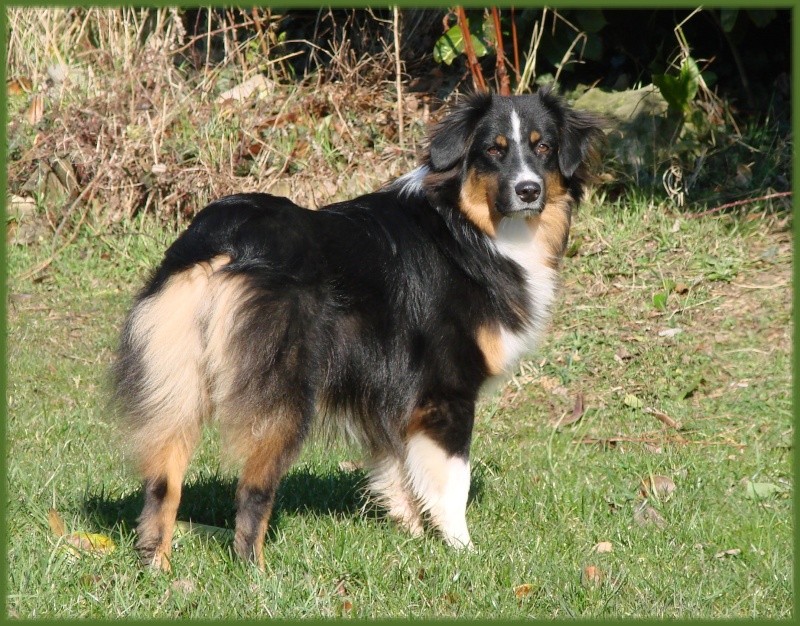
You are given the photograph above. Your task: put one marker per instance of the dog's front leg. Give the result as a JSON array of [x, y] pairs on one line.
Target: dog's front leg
[[437, 465]]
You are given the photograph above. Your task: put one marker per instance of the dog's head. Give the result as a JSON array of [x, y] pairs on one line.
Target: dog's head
[[512, 156]]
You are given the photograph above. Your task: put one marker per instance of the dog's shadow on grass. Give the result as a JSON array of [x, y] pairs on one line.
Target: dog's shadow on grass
[[209, 500]]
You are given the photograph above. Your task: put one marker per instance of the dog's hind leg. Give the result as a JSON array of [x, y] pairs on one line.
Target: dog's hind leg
[[164, 471], [437, 464], [268, 452]]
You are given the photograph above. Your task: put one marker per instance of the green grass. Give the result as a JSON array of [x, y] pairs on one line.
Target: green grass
[[542, 497]]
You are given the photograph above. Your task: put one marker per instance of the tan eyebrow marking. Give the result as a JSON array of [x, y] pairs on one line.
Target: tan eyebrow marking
[[502, 141], [535, 137]]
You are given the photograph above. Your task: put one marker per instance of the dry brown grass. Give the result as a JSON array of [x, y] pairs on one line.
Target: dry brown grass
[[135, 114]]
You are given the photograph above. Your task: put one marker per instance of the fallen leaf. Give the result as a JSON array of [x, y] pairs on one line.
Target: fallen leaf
[[56, 523], [670, 332], [658, 486], [35, 111], [18, 86], [92, 543], [183, 585], [632, 401], [592, 576], [572, 418], [259, 82], [622, 355], [347, 606], [183, 528], [724, 553], [761, 491], [644, 515], [744, 174], [681, 288], [523, 591], [604, 547]]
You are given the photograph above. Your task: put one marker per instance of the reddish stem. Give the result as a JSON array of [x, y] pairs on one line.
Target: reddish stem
[[502, 75], [474, 66]]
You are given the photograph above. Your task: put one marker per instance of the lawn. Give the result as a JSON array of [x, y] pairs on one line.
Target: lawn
[[669, 359]]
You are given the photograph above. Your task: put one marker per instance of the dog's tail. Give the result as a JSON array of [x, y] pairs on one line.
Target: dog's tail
[[159, 381]]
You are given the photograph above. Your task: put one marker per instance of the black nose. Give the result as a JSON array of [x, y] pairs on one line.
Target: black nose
[[528, 191]]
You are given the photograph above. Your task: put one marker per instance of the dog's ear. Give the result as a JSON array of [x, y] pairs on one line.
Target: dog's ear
[[581, 133], [580, 140], [451, 136]]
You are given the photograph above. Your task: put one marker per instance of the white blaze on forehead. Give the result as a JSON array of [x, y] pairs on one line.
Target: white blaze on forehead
[[524, 173], [516, 127]]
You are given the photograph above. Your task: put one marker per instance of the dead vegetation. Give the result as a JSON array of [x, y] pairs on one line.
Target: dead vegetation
[[119, 112], [114, 112]]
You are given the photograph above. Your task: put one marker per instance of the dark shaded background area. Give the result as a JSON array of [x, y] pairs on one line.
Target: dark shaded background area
[[745, 53]]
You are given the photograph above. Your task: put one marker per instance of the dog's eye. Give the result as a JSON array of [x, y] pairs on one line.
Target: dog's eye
[[494, 151], [542, 149]]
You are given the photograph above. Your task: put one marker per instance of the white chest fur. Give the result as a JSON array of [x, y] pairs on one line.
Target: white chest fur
[[517, 240]]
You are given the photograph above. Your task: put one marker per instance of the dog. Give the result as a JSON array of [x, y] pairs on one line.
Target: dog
[[384, 314]]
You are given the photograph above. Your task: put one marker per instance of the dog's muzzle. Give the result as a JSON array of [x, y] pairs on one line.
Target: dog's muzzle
[[527, 199]]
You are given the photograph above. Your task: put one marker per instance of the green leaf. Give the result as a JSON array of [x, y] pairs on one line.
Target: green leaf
[[709, 77], [447, 48], [591, 20], [689, 390], [632, 401], [727, 18], [594, 49], [185, 528], [451, 44], [660, 300], [761, 17], [680, 90], [690, 77], [761, 491]]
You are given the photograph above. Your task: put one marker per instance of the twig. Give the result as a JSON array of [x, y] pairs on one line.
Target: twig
[[515, 44], [398, 71], [529, 71], [663, 418], [692, 306], [777, 285], [474, 66], [568, 54], [729, 205], [501, 74], [260, 31], [593, 440]]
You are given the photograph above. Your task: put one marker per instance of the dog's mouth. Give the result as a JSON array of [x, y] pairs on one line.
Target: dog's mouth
[[517, 208]]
